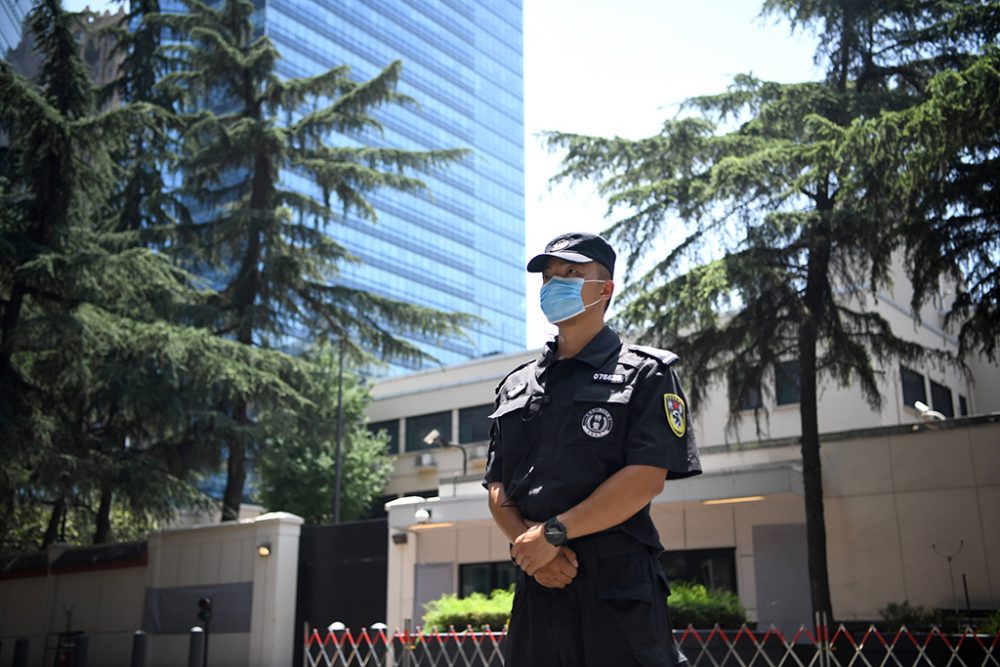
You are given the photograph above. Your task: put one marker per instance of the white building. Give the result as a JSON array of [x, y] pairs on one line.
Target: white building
[[901, 494]]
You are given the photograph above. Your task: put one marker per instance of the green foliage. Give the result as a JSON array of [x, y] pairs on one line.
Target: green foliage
[[477, 610], [88, 353], [122, 376], [932, 172], [992, 625], [298, 461], [243, 130], [694, 604], [912, 616]]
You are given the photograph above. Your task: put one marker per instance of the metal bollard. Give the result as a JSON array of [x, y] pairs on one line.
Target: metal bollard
[[138, 649], [196, 649], [80, 649], [20, 653]]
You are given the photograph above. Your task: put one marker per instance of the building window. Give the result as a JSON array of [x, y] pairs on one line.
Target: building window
[[786, 382], [941, 399], [485, 577], [750, 400], [713, 568], [391, 427], [418, 427], [749, 394], [963, 406], [913, 387], [474, 424]]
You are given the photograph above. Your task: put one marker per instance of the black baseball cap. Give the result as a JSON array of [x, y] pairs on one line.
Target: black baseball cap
[[577, 247]]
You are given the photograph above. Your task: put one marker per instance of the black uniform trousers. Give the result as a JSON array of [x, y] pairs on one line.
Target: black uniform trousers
[[613, 614]]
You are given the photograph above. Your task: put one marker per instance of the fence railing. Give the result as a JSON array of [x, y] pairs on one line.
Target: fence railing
[[703, 648]]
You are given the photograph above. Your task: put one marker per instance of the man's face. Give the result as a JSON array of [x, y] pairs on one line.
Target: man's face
[[592, 291]]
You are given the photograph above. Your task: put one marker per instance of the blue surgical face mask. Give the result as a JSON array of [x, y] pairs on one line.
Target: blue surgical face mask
[[562, 298]]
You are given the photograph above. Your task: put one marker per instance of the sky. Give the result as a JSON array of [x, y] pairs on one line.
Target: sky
[[606, 68]]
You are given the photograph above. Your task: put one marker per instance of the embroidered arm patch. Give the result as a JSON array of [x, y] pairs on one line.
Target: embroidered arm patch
[[673, 405]]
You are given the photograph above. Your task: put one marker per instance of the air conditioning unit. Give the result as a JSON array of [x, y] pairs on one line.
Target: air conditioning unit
[[425, 462]]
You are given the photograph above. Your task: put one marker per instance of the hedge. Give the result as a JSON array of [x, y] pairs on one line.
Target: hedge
[[690, 603]]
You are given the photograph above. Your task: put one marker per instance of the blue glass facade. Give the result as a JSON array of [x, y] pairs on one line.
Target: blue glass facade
[[12, 13], [460, 245]]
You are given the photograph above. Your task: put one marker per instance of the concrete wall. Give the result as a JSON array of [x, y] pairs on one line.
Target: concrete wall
[[105, 603], [897, 505], [108, 603]]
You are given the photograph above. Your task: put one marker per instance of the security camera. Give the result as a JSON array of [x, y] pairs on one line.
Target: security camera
[[927, 414], [422, 515], [433, 437]]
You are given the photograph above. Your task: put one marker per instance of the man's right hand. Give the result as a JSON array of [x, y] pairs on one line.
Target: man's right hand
[[560, 571]]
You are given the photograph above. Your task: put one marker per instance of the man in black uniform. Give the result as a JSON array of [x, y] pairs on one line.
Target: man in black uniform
[[582, 440]]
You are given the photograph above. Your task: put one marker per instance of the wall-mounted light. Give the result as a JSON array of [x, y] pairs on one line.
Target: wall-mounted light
[[423, 520], [264, 550], [733, 501]]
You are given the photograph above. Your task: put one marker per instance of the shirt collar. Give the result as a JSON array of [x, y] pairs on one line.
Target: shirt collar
[[595, 353]]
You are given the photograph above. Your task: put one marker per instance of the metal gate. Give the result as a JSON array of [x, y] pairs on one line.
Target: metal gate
[[703, 648], [342, 576]]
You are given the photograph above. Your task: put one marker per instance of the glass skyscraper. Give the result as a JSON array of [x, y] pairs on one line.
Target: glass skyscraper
[[460, 246], [12, 13]]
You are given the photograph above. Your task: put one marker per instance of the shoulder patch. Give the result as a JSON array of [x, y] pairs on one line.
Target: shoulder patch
[[516, 369], [665, 357]]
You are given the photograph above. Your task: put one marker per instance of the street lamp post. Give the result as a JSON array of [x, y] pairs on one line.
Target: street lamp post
[[340, 432]]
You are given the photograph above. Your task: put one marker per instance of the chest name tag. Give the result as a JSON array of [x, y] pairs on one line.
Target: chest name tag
[[609, 378]]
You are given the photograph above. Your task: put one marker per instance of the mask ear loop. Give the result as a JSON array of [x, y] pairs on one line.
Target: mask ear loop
[[595, 280]]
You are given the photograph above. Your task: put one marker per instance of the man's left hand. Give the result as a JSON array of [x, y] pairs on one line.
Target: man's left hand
[[531, 552]]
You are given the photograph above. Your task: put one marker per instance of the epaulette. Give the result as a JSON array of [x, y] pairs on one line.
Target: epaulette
[[497, 390], [665, 357]]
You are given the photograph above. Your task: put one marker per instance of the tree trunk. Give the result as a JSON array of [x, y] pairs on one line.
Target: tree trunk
[[11, 315], [245, 292], [236, 471], [55, 519], [812, 468], [102, 533]]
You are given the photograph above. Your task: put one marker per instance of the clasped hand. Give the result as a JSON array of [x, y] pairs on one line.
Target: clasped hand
[[551, 566]]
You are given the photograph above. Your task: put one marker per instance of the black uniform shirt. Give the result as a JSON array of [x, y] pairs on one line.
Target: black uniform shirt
[[562, 427]]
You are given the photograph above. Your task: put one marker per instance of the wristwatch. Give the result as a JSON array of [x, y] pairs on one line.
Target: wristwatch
[[555, 532]]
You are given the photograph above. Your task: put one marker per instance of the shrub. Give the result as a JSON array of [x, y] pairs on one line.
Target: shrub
[[992, 625], [693, 604], [690, 603], [477, 610], [896, 615]]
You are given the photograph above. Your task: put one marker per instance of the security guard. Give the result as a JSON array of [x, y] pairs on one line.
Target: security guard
[[582, 440]]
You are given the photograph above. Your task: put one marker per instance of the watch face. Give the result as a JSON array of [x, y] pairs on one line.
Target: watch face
[[555, 533]]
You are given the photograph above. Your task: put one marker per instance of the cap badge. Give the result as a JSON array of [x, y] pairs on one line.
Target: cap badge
[[559, 245], [674, 406], [597, 423]]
